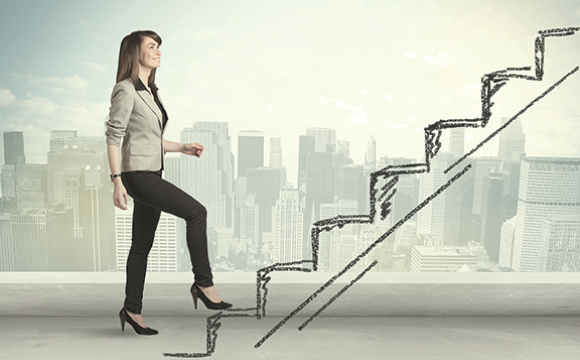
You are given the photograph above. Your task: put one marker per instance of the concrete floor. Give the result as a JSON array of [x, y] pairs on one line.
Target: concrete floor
[[445, 319]]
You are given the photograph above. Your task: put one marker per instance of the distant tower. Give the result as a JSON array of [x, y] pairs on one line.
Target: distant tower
[[250, 151], [457, 141], [287, 226], [343, 148], [325, 139], [483, 166], [275, 152], [57, 139], [14, 148], [266, 183], [306, 146], [512, 140], [492, 217], [202, 177], [371, 154]]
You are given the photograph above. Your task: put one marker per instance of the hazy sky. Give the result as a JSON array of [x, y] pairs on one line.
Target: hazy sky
[[382, 68]]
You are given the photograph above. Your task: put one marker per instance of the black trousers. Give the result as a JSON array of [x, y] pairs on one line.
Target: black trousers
[[151, 195]]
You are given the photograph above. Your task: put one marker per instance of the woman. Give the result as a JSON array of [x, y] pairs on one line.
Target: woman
[[138, 118]]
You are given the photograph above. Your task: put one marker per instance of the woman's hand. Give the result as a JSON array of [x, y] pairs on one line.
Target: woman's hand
[[194, 149], [120, 194]]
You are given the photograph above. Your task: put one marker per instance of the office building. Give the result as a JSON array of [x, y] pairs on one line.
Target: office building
[[324, 139], [14, 148], [492, 216], [202, 177], [250, 151], [512, 140], [163, 254], [306, 146], [287, 224], [457, 141], [275, 152], [560, 244], [549, 187]]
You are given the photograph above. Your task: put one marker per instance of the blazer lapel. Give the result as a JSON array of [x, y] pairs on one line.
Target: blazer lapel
[[161, 117], [144, 94]]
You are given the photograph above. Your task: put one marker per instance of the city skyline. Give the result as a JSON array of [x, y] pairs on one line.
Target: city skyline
[[329, 169], [268, 240]]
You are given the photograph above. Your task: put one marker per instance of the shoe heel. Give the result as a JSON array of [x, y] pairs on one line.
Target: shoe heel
[[194, 295], [122, 318]]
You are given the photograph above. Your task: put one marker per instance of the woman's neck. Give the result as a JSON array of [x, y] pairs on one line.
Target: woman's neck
[[144, 75]]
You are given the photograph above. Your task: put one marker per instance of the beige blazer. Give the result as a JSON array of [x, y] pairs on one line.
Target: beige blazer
[[136, 121]]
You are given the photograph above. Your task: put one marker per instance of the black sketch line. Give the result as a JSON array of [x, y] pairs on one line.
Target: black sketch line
[[346, 287], [491, 83], [500, 129], [363, 254]]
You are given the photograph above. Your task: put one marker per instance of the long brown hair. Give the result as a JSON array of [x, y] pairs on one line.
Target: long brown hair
[[130, 53]]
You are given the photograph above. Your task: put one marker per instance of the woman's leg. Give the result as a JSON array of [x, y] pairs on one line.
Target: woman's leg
[[151, 190], [145, 220]]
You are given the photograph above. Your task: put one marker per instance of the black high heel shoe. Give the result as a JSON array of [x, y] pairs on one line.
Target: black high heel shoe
[[138, 329], [196, 292]]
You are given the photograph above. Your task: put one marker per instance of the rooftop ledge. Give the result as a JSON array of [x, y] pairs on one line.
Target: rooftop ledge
[[283, 277]]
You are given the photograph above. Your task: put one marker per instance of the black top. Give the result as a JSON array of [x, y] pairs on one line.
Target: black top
[[141, 86]]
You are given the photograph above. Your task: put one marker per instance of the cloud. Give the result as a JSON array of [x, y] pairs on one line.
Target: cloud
[[6, 97], [360, 117], [322, 100], [95, 66], [37, 117], [70, 83], [389, 97], [440, 60], [412, 56], [339, 103]]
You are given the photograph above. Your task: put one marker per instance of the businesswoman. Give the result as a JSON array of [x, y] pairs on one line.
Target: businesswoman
[[137, 120]]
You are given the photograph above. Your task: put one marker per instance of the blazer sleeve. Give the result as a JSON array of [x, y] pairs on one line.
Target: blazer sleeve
[[119, 114]]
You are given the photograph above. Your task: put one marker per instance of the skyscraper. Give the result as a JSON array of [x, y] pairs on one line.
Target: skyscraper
[[506, 244], [78, 182], [457, 141], [265, 183], [14, 148], [163, 254], [371, 154], [560, 243], [343, 147], [492, 216], [324, 139], [305, 146], [512, 140], [483, 166], [448, 216], [287, 227], [30, 185], [202, 177], [250, 150], [548, 187], [275, 152], [57, 139], [431, 219]]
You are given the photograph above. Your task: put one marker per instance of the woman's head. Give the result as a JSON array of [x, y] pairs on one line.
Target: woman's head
[[130, 53]]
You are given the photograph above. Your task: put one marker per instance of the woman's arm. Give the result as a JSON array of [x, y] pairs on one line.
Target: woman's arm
[[120, 193], [194, 149]]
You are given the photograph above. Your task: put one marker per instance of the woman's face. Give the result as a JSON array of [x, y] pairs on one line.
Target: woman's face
[[150, 54]]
